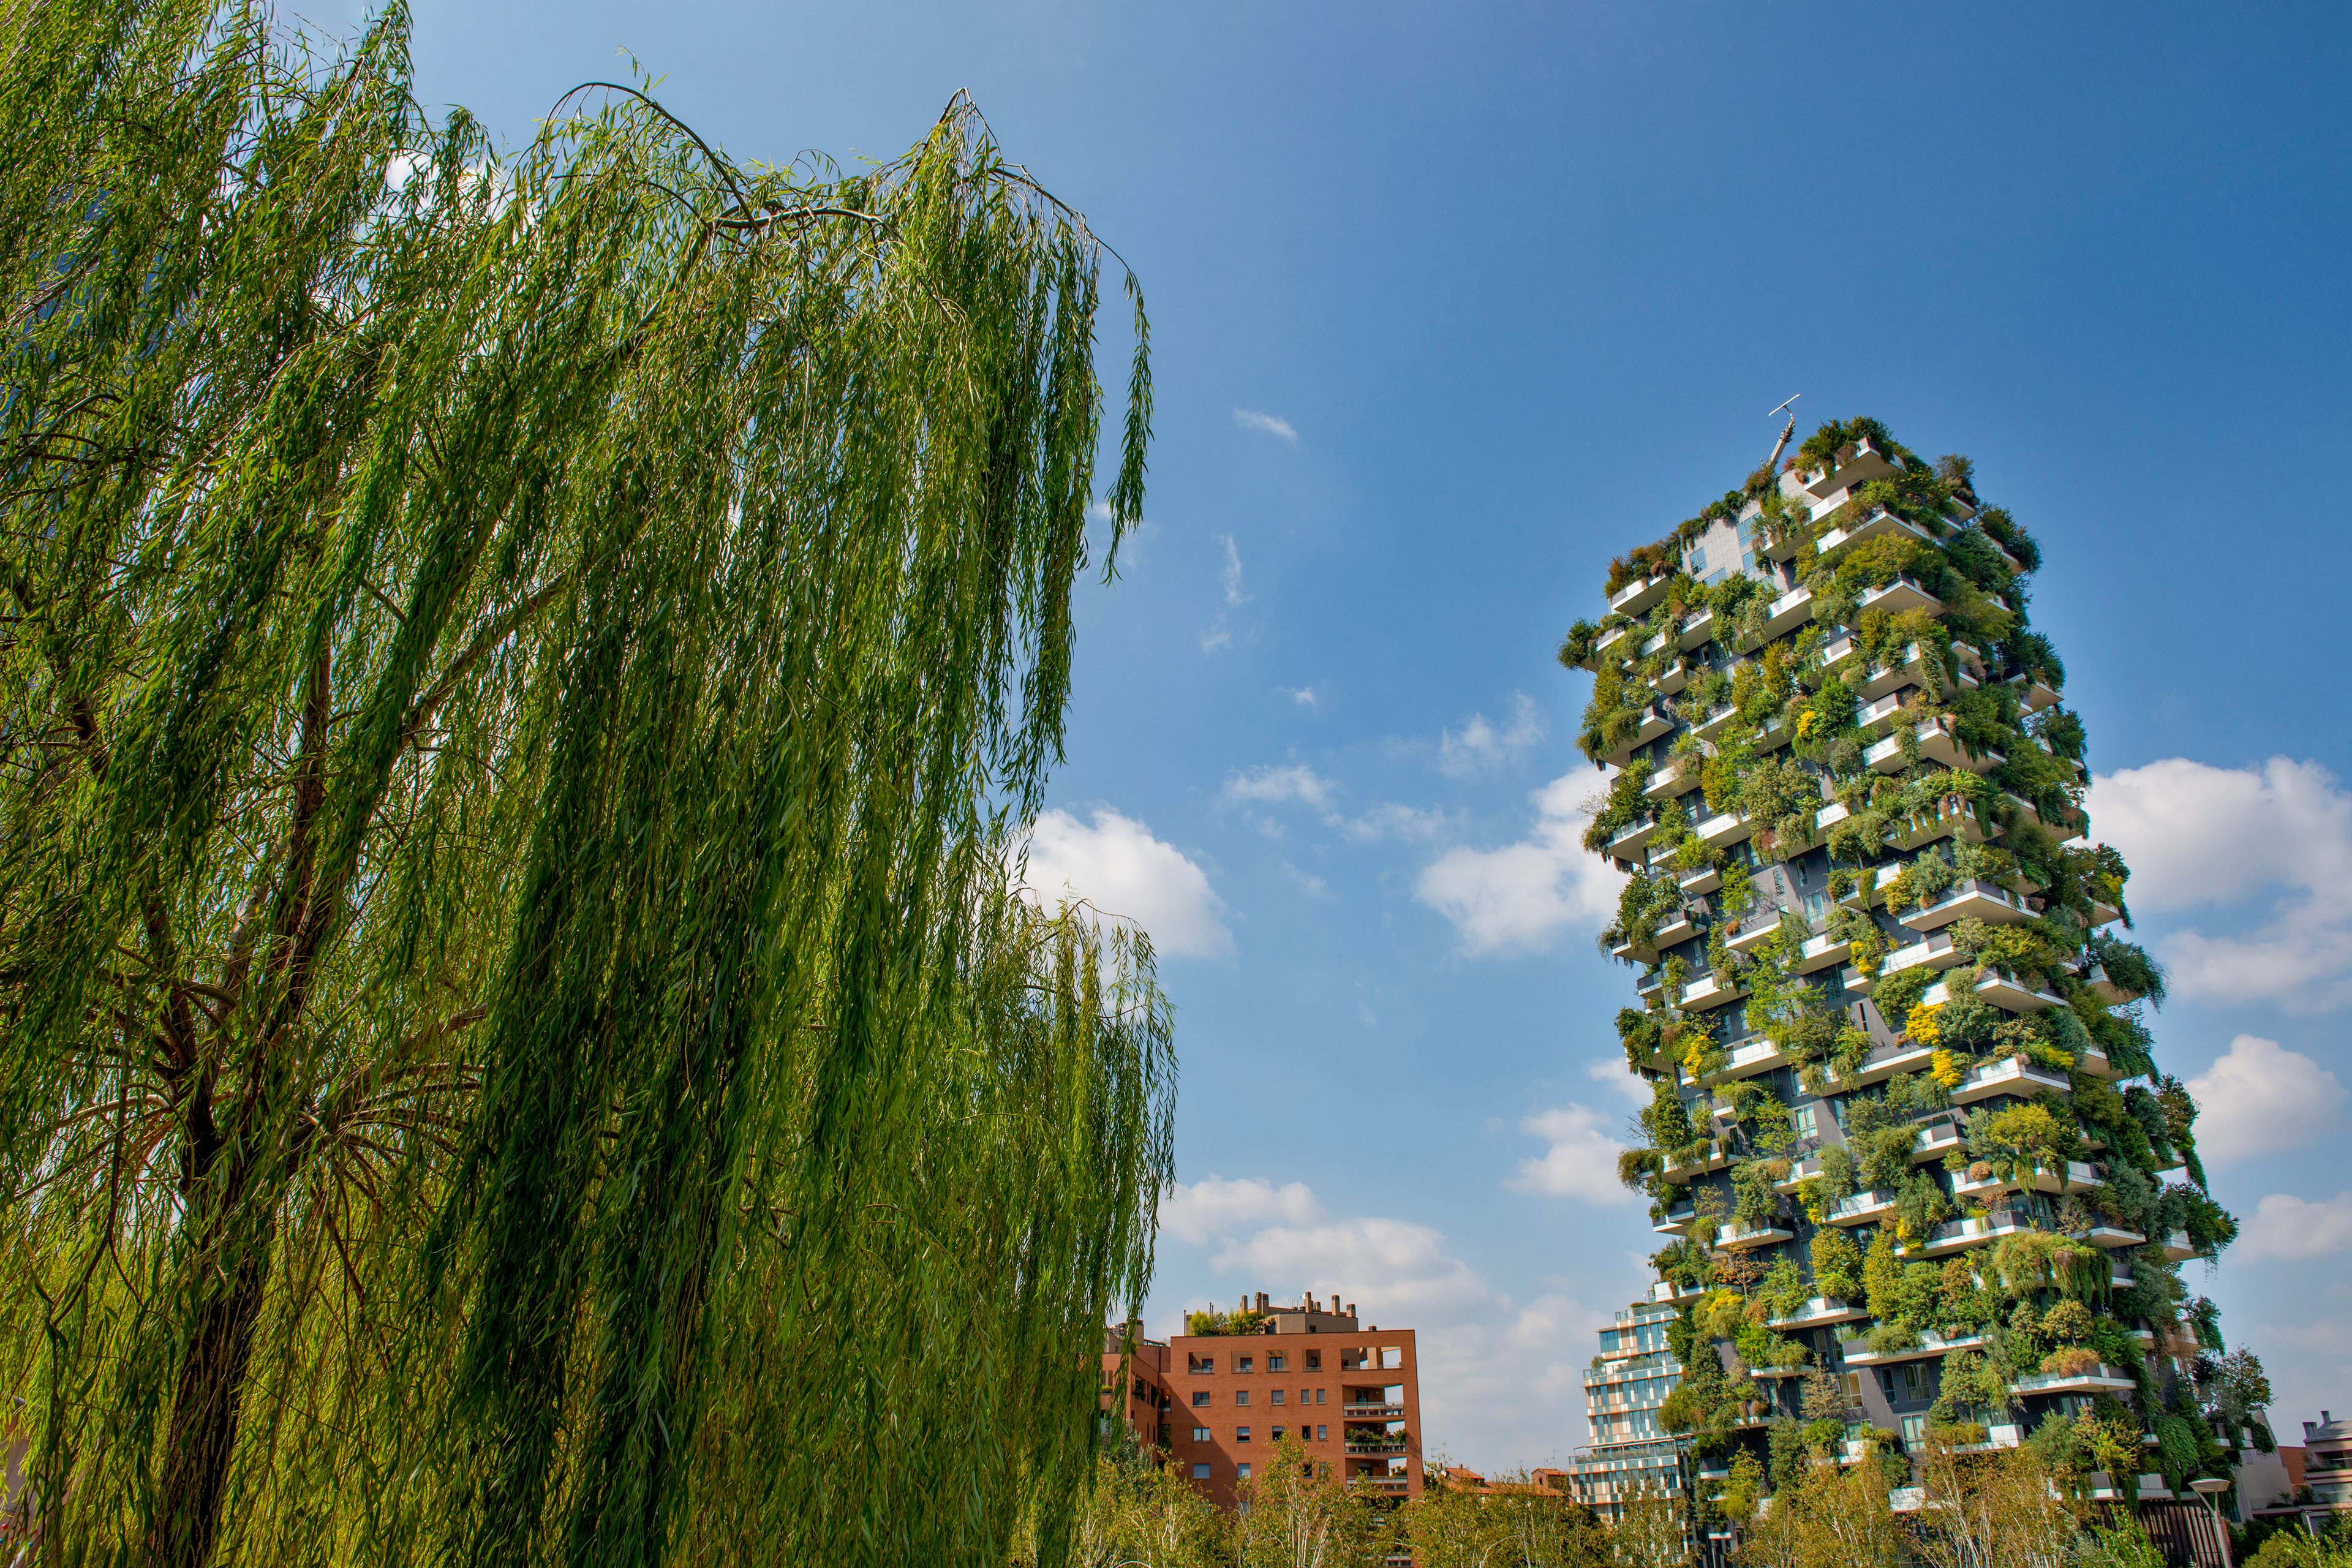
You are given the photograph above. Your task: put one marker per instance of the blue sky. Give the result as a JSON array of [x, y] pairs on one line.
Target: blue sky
[[1452, 303]]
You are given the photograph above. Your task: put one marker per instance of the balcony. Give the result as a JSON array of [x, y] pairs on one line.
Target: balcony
[[1784, 615], [1722, 831], [1675, 677], [2034, 693], [1837, 655], [1878, 1068], [1896, 597], [1935, 1142], [1740, 1234], [2105, 988], [1799, 1173], [1772, 734], [1856, 464], [1821, 951], [1861, 1209], [1676, 1222], [2001, 989], [1678, 778], [1637, 596], [1753, 933], [1959, 1235], [1936, 952], [1706, 992], [1676, 930], [1914, 667], [1970, 899], [1601, 649], [1955, 819], [1650, 725], [2101, 1380], [1819, 1314], [1712, 728], [1875, 718], [1627, 847], [2015, 1075], [1701, 879], [1712, 1158], [1877, 525], [2111, 1235], [2178, 1248], [1748, 1060], [1696, 630], [1872, 887], [2103, 914], [2076, 1177], [1856, 1351], [2093, 1061], [1355, 1408], [1937, 743]]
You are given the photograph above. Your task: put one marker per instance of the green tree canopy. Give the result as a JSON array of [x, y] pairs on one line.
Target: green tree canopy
[[517, 675]]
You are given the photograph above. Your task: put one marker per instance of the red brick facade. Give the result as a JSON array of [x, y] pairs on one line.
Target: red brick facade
[[1217, 1405]]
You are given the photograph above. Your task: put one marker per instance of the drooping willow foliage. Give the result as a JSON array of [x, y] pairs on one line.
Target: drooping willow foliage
[[516, 674]]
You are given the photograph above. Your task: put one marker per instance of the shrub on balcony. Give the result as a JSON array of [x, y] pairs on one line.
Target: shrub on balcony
[[2071, 1361], [1760, 1346]]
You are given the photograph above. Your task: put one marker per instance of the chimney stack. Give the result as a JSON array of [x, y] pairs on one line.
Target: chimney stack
[[1261, 1301], [1351, 1308]]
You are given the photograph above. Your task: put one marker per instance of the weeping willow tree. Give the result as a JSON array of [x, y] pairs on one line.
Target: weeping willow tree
[[516, 674]]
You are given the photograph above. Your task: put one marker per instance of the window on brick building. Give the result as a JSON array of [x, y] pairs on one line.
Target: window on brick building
[[1200, 1434], [1278, 1434], [1322, 1434], [1318, 1396], [1315, 1360], [1200, 1472], [1199, 1398], [1278, 1364], [1241, 1396], [1241, 1434], [1241, 1472], [1280, 1395]]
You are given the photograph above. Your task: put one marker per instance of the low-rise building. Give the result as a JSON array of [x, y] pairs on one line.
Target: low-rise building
[[1217, 1403], [1630, 1453]]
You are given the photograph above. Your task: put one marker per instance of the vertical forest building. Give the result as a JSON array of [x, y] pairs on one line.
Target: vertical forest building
[[1917, 1172]]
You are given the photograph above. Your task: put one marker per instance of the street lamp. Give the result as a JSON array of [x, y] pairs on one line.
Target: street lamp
[[2210, 1488]]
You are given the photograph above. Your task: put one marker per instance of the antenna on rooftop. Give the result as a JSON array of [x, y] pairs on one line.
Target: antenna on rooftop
[[1773, 462]]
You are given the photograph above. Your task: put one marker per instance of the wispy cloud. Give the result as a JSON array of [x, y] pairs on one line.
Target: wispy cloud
[[1229, 577], [1276, 786], [1266, 423], [1580, 1161], [1315, 886], [1480, 744], [1216, 638], [1305, 696]]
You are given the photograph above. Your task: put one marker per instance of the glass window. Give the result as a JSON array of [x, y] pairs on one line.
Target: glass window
[[1242, 1472], [1278, 1434], [1318, 1396], [1241, 1396], [1277, 1364], [1241, 1434], [1199, 1398], [1200, 1434], [1246, 1363], [1322, 1434], [1315, 1360], [1807, 1124], [1915, 1430], [1200, 1472], [1279, 1394]]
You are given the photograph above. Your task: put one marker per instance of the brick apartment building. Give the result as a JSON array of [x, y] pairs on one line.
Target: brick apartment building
[[1216, 1405]]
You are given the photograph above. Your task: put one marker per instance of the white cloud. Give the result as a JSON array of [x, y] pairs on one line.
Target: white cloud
[[2259, 1097], [1216, 638], [1266, 423], [1389, 820], [1305, 696], [2278, 837], [1499, 1379], [1581, 1161], [1213, 1206], [2293, 1229], [1400, 1272], [1116, 864], [1519, 898], [1612, 1074], [1229, 575], [1315, 886], [1479, 746], [1294, 782]]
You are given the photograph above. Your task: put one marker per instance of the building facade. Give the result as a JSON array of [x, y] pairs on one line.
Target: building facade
[[1625, 1387], [1218, 1403], [1913, 1168]]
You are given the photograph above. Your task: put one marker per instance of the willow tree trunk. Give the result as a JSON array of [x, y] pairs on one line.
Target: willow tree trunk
[[206, 1396]]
